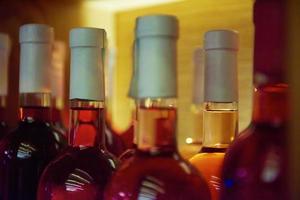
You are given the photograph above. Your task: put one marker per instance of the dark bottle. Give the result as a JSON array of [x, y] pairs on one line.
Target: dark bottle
[[26, 151], [57, 80], [5, 46], [255, 166], [83, 170], [220, 112], [156, 171]]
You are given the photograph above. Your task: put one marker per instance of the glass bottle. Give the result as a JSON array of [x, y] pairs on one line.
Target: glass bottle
[[26, 151], [57, 79], [5, 46], [156, 171], [220, 112], [255, 166], [131, 136], [193, 140], [82, 171]]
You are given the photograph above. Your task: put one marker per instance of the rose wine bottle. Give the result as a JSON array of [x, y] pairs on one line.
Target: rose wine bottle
[[57, 72], [220, 114], [83, 170], [5, 46], [255, 166], [26, 151], [156, 171]]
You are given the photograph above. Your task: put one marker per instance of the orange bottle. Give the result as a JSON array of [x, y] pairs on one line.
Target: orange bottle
[[220, 113]]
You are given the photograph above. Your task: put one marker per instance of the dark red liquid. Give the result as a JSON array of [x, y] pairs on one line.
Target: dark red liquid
[[161, 177], [84, 169], [255, 166], [78, 174], [156, 170], [25, 152]]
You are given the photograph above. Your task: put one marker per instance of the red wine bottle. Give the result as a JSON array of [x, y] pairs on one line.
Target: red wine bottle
[[156, 170], [255, 166], [5, 46], [25, 152], [83, 170]]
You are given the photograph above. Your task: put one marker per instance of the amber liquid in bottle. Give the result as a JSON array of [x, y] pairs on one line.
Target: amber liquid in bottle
[[220, 121], [83, 170], [156, 170], [25, 152]]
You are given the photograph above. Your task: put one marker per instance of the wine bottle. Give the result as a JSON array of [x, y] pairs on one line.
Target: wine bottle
[[156, 171], [220, 112], [5, 46], [255, 166], [26, 151], [57, 73], [82, 171]]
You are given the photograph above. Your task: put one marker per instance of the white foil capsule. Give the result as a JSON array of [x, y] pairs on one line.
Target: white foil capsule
[[87, 72]]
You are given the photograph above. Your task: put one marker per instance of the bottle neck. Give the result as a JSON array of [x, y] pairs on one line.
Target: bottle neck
[[86, 123], [156, 127], [220, 125], [269, 17], [271, 104], [35, 107]]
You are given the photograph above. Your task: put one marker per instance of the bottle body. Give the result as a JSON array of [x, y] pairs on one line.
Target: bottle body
[[25, 152], [255, 166], [79, 173], [156, 170]]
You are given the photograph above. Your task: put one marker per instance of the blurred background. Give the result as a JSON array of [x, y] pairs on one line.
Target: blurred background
[[118, 18]]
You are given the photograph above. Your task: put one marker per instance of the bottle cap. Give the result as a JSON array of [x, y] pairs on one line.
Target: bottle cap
[[5, 45], [35, 57], [132, 92], [36, 33], [87, 37], [155, 56], [87, 73], [221, 84], [156, 25], [198, 82], [221, 39]]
